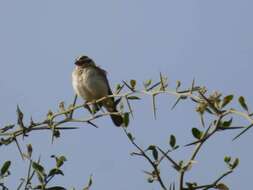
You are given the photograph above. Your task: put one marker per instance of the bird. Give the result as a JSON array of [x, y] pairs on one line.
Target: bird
[[90, 82]]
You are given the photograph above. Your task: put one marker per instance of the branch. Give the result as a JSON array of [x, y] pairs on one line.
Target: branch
[[153, 164]]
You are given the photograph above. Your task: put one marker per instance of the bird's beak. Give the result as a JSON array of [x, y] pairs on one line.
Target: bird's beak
[[78, 63]]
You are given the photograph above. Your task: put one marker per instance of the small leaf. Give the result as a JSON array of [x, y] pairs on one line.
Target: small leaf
[[227, 159], [178, 85], [147, 83], [197, 133], [19, 113], [133, 83], [89, 184], [243, 103], [90, 181], [5, 167], [154, 151], [181, 163], [56, 133], [162, 81], [227, 123], [151, 147], [176, 147], [62, 106], [29, 150], [133, 98], [38, 167], [130, 136], [235, 164], [155, 154], [227, 100], [55, 171], [49, 114], [191, 185], [60, 161], [150, 179], [20, 117], [118, 88], [172, 141], [222, 186], [126, 119]]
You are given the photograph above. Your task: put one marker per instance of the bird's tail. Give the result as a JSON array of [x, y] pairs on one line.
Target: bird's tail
[[117, 120], [111, 106]]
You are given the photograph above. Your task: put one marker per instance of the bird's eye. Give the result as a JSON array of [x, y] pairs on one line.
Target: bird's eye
[[88, 60]]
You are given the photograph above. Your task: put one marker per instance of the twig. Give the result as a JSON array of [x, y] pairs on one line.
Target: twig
[[215, 183], [142, 152], [175, 165]]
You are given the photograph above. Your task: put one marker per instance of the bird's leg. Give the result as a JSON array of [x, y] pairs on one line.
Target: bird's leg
[[93, 108], [96, 107], [86, 106]]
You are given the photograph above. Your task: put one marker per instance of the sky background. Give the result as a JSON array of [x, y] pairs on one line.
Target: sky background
[[210, 41]]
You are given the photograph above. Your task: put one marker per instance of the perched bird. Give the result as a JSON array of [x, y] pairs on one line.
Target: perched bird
[[90, 82]]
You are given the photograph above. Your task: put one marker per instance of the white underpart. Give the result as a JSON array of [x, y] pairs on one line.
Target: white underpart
[[90, 85]]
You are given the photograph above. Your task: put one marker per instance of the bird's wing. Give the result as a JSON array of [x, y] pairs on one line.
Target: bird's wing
[[104, 74]]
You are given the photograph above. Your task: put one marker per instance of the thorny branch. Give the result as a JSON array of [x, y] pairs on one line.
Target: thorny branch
[[212, 104]]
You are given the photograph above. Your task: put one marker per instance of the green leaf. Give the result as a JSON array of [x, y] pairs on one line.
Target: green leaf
[[126, 119], [49, 114], [151, 147], [118, 86], [222, 186], [178, 85], [155, 154], [133, 83], [38, 167], [90, 181], [89, 184], [227, 100], [147, 83], [197, 133], [29, 150], [172, 141], [176, 147], [5, 167], [181, 163], [235, 164], [227, 159], [133, 98], [57, 133], [130, 136], [150, 179], [55, 171], [60, 161], [227, 123], [56, 188], [154, 151], [243, 103]]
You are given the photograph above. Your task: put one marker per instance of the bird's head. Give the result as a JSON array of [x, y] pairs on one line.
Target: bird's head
[[83, 61]]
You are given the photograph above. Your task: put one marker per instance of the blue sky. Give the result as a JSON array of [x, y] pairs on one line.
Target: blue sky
[[210, 41]]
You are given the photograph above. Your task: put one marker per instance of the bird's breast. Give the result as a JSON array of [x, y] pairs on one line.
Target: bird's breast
[[89, 84]]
